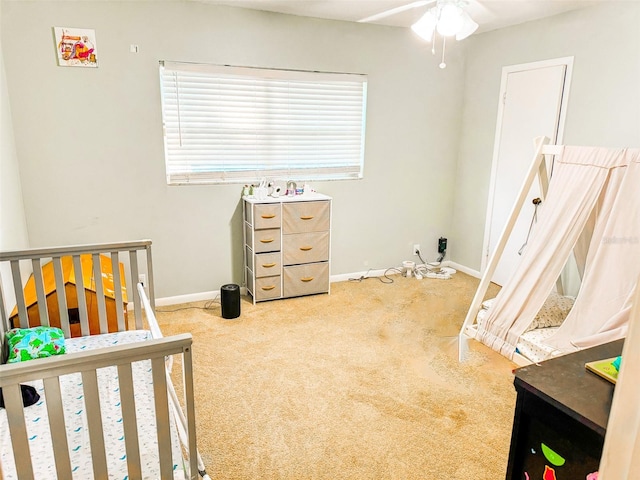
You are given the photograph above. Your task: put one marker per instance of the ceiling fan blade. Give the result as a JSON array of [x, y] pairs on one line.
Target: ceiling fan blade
[[394, 11]]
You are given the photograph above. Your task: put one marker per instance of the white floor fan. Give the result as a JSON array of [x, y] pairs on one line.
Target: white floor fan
[[446, 18]]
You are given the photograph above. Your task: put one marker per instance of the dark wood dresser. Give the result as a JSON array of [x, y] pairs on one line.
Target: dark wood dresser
[[565, 407]]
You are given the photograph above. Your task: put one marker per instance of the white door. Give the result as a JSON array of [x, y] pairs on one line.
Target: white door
[[532, 103]]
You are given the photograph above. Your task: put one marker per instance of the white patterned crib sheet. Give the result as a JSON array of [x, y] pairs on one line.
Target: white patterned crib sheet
[[76, 421], [532, 344]]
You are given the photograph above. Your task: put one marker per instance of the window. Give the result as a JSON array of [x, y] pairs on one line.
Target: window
[[236, 124]]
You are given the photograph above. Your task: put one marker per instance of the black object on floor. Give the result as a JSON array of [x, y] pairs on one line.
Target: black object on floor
[[230, 300], [29, 396]]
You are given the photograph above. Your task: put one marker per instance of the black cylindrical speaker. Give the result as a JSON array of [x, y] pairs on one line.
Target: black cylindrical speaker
[[230, 300]]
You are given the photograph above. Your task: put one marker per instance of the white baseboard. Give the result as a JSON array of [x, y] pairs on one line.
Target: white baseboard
[[192, 297], [462, 268], [379, 273], [203, 296], [342, 277]]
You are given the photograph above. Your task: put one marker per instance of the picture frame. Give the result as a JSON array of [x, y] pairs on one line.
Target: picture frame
[[76, 47]]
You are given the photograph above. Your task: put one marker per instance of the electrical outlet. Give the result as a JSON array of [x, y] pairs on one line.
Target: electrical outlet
[[142, 278], [442, 245], [416, 249]]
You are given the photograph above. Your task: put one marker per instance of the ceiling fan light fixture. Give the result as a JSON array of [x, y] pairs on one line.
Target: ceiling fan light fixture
[[467, 28], [448, 18], [450, 21], [426, 26]]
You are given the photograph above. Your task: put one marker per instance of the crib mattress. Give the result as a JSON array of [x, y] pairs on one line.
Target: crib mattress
[[76, 421]]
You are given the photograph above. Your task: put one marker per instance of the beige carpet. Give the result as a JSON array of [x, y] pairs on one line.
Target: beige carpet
[[363, 383]]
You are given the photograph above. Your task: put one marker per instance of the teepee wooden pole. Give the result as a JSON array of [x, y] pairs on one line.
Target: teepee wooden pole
[[533, 172]]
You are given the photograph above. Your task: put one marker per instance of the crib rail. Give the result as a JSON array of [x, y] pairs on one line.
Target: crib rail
[[50, 369], [129, 253]]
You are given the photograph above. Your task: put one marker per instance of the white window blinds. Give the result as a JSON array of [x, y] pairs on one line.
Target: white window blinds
[[236, 124]]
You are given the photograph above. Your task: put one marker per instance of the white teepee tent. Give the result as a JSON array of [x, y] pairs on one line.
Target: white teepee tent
[[592, 207]]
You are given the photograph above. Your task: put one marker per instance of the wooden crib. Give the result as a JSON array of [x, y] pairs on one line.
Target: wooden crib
[[108, 406]]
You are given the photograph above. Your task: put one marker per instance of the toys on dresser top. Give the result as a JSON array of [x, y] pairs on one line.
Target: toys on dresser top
[[272, 189]]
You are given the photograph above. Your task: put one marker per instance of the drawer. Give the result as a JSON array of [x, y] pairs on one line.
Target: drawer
[[267, 264], [266, 215], [263, 240], [268, 287], [305, 248], [300, 217], [306, 279]]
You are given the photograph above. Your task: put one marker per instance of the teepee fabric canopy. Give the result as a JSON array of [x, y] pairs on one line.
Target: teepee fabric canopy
[[593, 209]]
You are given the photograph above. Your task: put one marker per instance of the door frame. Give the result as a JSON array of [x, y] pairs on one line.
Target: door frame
[[568, 63]]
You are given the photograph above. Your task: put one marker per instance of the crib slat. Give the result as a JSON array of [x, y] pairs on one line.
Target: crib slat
[[102, 308], [187, 376], [133, 262], [18, 430], [4, 324], [17, 288], [82, 299], [94, 421], [57, 427], [40, 293], [130, 421], [117, 286], [62, 296], [151, 289], [162, 417]]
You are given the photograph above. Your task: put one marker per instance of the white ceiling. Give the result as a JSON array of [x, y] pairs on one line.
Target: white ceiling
[[489, 14]]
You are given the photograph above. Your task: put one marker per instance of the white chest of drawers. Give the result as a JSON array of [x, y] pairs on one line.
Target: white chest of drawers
[[287, 245]]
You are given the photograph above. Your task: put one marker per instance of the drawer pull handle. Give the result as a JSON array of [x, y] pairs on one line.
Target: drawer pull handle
[[306, 217], [269, 215], [306, 279], [266, 240], [306, 248], [269, 287], [268, 265]]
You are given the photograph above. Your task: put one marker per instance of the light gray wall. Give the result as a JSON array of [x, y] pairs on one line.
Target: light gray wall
[[13, 224], [90, 149], [604, 100]]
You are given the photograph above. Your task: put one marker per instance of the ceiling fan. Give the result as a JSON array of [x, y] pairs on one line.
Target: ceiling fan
[[396, 10], [447, 18]]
